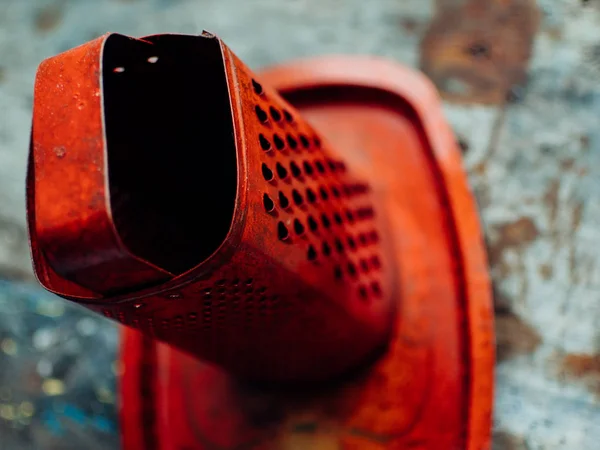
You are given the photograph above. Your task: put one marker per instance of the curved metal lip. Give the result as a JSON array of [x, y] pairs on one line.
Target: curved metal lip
[[43, 270]]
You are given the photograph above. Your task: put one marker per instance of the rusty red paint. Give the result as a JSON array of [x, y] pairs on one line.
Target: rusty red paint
[[352, 228]]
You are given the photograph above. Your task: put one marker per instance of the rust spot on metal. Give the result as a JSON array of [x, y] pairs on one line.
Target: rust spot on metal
[[554, 33], [582, 364], [551, 201], [546, 271], [518, 233], [577, 215], [503, 440], [567, 164], [583, 367], [478, 51], [514, 337], [585, 141], [511, 235], [60, 151], [48, 18]]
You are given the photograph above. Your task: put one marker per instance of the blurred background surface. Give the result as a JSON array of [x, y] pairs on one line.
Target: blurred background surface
[[521, 84]]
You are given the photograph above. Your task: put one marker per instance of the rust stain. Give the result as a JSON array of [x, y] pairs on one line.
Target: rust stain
[[514, 235], [583, 367], [409, 25], [567, 164], [546, 271], [477, 51], [514, 337], [48, 18], [555, 33], [503, 440], [551, 199], [575, 224], [577, 216]]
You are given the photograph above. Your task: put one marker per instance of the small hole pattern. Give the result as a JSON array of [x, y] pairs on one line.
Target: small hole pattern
[[298, 295], [320, 207]]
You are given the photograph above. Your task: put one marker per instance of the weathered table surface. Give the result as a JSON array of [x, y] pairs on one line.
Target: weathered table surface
[[522, 83]]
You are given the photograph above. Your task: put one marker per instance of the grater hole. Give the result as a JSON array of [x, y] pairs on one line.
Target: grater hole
[[235, 281], [337, 218], [376, 288], [258, 89], [284, 202], [311, 253], [320, 167], [323, 192], [351, 243], [364, 265], [298, 227], [312, 224], [339, 245], [308, 168], [349, 216], [362, 238], [362, 292], [304, 141], [374, 237], [261, 114], [264, 143], [341, 166], [295, 168], [352, 269], [325, 221], [282, 231], [375, 262], [275, 114], [326, 249], [221, 282], [268, 203], [335, 191], [297, 197], [279, 143], [317, 141], [347, 191], [364, 213], [281, 171], [332, 165], [267, 173], [338, 273], [288, 116], [311, 196], [292, 142]]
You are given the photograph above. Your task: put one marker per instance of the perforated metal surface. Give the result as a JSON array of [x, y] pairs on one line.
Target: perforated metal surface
[[300, 289]]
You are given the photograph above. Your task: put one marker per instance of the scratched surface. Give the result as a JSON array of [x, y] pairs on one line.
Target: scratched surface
[[521, 80]]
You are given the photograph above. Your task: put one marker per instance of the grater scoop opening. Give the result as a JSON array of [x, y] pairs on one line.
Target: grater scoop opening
[[170, 145]]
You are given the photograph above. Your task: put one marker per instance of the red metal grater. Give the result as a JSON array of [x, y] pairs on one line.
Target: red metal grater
[[306, 231]]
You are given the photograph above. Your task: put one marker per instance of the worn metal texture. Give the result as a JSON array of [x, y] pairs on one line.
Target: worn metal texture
[[532, 157], [285, 274]]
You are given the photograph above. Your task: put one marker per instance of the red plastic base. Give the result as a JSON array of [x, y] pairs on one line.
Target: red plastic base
[[433, 387]]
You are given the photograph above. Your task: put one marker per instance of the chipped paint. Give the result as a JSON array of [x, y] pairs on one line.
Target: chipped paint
[[558, 112], [477, 51]]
